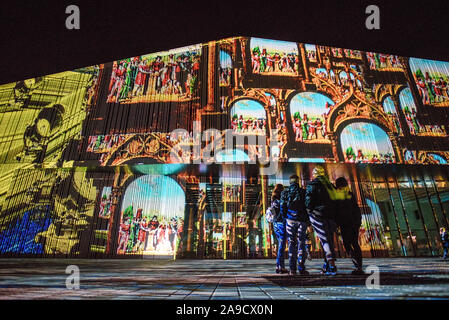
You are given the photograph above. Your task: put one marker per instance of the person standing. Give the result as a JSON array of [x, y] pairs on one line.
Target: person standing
[[297, 220], [349, 219], [319, 201], [279, 227], [445, 241]]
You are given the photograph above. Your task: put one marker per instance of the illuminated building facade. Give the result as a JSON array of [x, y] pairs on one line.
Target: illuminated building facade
[[90, 166]]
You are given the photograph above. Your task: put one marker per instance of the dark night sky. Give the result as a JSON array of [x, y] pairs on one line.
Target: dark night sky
[[36, 42]]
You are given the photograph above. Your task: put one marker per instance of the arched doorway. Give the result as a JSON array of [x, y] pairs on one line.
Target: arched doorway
[[366, 142], [151, 219]]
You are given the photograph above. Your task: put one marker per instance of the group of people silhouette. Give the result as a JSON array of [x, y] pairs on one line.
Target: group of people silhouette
[[322, 205]]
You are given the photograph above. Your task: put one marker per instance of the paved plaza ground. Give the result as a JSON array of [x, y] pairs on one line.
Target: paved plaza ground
[[400, 278]]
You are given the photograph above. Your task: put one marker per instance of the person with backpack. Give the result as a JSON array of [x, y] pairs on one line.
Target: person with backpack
[[297, 221], [349, 219], [320, 204], [275, 216]]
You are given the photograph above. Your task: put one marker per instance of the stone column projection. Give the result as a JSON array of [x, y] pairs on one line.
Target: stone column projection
[[211, 75], [334, 144], [394, 142], [304, 61]]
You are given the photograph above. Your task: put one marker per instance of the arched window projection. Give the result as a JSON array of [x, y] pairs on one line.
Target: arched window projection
[[364, 142], [248, 117], [156, 203], [309, 111]]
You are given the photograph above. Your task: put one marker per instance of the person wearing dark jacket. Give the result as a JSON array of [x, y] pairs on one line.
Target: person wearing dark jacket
[[297, 220], [445, 241], [320, 204], [349, 219], [279, 228]]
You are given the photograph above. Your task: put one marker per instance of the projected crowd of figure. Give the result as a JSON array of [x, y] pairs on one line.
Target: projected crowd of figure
[[168, 76], [309, 112], [274, 57], [150, 221], [383, 62], [410, 112], [432, 81], [248, 117], [353, 54], [364, 142], [141, 234]]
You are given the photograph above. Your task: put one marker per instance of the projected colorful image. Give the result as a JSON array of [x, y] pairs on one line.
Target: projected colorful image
[[271, 57], [231, 192], [344, 78], [353, 54], [432, 81], [309, 111], [390, 110], [225, 68], [425, 157], [116, 149], [248, 117], [20, 235], [384, 62], [272, 104], [165, 76], [90, 169], [337, 52], [363, 142], [410, 112], [436, 158], [152, 216], [311, 52], [40, 115], [104, 143], [105, 203], [323, 75]]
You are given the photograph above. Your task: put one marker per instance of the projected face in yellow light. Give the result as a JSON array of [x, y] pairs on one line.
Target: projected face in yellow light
[[43, 127]]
